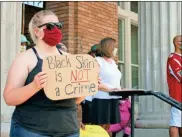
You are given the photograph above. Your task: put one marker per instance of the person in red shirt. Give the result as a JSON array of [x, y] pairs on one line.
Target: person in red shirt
[[174, 80]]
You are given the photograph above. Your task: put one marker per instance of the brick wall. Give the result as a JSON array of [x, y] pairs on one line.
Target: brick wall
[[96, 20], [66, 14], [85, 24]]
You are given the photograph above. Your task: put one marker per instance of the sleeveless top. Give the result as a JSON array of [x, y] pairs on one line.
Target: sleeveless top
[[110, 76], [42, 115]]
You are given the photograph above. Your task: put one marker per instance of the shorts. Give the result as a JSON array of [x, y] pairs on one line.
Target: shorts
[[176, 120]]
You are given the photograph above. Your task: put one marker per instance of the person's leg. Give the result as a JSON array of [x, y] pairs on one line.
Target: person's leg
[[18, 131], [180, 132], [175, 122], [173, 131], [113, 129], [127, 131]]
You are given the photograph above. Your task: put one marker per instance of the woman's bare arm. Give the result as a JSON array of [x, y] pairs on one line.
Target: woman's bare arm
[[15, 93]]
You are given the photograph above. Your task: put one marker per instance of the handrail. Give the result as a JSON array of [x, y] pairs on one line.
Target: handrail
[[142, 92]]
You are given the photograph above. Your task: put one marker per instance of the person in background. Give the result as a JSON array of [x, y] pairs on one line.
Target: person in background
[[174, 80], [93, 50], [62, 47], [105, 108], [125, 115], [24, 43]]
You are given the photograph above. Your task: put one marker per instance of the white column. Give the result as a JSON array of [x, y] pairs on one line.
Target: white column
[[159, 23], [11, 13]]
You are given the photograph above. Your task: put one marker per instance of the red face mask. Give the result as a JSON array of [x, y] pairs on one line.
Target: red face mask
[[52, 37]]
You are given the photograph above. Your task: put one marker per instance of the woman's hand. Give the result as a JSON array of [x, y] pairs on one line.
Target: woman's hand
[[104, 87], [40, 80], [82, 126], [79, 100]]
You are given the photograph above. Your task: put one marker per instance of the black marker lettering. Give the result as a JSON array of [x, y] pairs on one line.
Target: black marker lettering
[[57, 92], [78, 57], [91, 87], [58, 77], [66, 89], [50, 62], [68, 62], [58, 63]]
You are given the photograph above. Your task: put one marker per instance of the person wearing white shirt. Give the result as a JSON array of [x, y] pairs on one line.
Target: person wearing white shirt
[[105, 108]]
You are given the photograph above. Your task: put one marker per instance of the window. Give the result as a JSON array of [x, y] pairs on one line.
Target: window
[[128, 44], [134, 6], [134, 55], [121, 49], [121, 4]]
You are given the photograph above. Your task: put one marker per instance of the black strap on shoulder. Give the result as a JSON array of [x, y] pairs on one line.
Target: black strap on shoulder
[[35, 51], [59, 50]]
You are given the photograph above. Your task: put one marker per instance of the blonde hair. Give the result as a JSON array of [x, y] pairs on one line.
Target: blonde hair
[[37, 21], [106, 47]]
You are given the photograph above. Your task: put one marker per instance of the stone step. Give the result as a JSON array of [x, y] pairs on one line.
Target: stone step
[[143, 132]]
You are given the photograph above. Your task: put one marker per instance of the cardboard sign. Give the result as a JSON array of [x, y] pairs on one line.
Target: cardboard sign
[[70, 76], [93, 131]]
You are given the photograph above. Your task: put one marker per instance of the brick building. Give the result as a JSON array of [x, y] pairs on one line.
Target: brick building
[[85, 23]]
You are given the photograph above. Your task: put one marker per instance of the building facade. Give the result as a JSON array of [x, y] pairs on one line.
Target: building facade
[[143, 30]]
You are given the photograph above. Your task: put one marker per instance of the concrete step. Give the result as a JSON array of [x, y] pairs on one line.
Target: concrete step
[[142, 132]]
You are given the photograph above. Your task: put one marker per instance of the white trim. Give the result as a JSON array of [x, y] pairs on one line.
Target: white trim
[[128, 14], [177, 62], [178, 54], [134, 65], [172, 73], [120, 62]]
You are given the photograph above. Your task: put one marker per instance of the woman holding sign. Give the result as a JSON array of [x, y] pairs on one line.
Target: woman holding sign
[[35, 115], [105, 108]]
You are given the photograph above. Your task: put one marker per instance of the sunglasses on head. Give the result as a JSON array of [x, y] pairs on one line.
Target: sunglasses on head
[[51, 25]]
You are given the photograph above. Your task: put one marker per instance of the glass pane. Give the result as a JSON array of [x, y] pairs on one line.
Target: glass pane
[[121, 39], [134, 77], [134, 6], [121, 68], [121, 4], [134, 44]]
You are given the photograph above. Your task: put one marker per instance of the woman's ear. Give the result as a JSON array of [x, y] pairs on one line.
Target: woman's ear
[[36, 32]]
